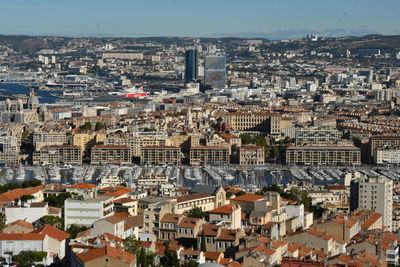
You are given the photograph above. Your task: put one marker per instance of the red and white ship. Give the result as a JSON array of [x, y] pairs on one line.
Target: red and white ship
[[131, 93]]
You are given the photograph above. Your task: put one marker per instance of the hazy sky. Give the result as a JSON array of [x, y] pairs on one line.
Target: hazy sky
[[262, 18]]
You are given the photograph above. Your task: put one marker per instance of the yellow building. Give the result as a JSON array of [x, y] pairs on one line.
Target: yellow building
[[87, 140]]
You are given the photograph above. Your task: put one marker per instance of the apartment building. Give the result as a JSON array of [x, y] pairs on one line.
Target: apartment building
[[252, 155], [48, 138], [323, 155], [135, 143], [158, 155], [376, 193], [85, 141], [9, 150], [257, 121], [87, 211], [383, 141], [111, 154], [122, 55], [209, 154], [58, 154], [387, 156], [317, 135]]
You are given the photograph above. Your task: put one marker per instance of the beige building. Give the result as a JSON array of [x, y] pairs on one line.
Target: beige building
[[111, 154], [44, 138], [376, 193], [323, 155], [209, 154], [158, 155], [228, 215], [204, 201], [135, 143], [252, 155], [382, 141], [58, 154], [85, 141]]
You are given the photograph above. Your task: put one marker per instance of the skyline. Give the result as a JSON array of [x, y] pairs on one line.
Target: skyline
[[258, 19]]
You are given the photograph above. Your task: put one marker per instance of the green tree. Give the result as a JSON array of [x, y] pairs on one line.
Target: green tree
[[246, 139], [25, 198], [196, 212], [31, 183], [55, 221], [240, 193], [99, 125], [131, 245], [170, 259], [9, 186], [203, 242], [28, 258], [87, 126], [3, 220], [75, 229], [57, 201], [228, 194]]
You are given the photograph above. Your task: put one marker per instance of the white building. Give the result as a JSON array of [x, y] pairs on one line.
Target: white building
[[390, 156], [87, 211], [377, 194], [26, 212], [13, 244]]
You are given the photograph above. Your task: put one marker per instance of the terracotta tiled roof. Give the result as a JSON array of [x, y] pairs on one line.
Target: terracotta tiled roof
[[114, 219], [247, 198], [28, 236], [52, 232], [171, 218], [82, 186], [117, 193], [21, 223], [226, 209], [187, 222], [109, 251], [124, 200], [19, 192], [192, 197], [370, 221], [133, 221], [210, 229], [211, 255]]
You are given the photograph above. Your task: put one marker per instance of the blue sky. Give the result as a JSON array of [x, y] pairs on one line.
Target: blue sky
[[275, 19]]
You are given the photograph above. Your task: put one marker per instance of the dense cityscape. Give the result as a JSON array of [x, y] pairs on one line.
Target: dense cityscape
[[173, 151]]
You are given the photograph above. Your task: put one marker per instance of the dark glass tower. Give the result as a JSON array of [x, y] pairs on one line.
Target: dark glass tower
[[215, 71], [191, 65]]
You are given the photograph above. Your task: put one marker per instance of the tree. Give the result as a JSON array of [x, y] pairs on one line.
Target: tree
[[196, 212], [170, 259], [25, 198], [3, 220], [246, 139], [9, 186], [99, 125], [57, 201], [228, 194], [75, 229], [31, 183], [87, 126], [203, 242], [55, 221], [240, 193], [131, 245], [28, 258]]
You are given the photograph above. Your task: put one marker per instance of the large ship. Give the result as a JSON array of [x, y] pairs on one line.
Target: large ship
[[131, 93]]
